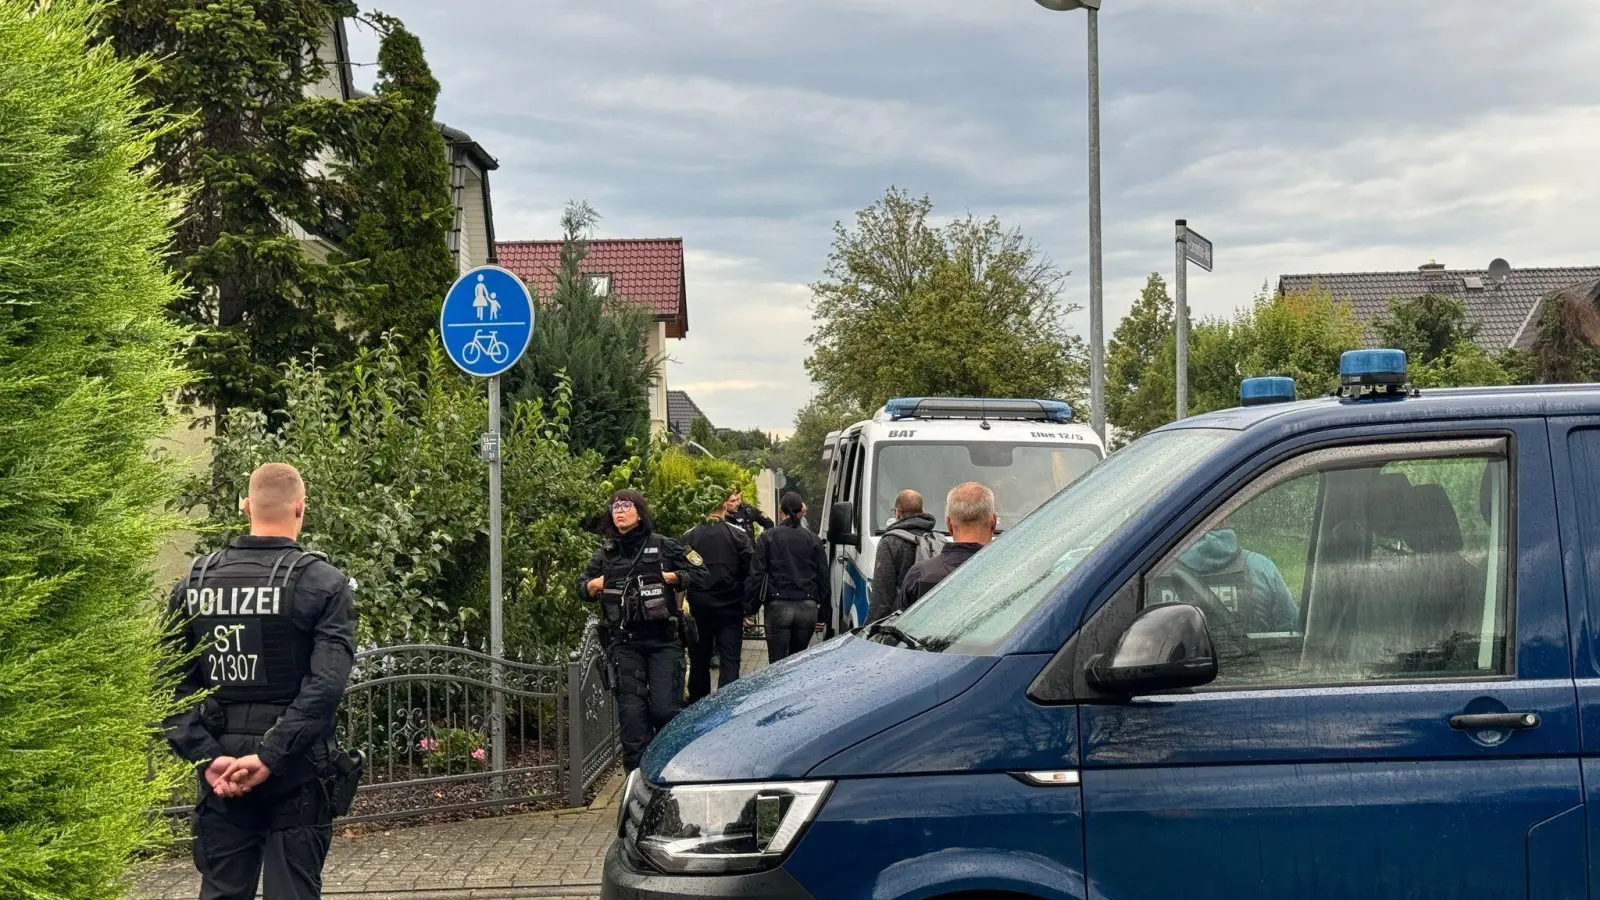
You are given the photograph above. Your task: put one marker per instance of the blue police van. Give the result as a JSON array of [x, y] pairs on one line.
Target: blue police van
[[1337, 648]]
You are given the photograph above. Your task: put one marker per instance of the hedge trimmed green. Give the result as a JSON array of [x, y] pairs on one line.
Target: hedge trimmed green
[[86, 357]]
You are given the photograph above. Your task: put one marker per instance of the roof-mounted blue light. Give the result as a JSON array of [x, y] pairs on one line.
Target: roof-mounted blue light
[[1371, 374], [1053, 411], [1260, 391]]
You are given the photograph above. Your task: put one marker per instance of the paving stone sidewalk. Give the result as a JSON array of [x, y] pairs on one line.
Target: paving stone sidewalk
[[549, 855]]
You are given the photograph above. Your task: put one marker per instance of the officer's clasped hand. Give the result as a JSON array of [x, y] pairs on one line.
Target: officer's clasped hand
[[230, 778]]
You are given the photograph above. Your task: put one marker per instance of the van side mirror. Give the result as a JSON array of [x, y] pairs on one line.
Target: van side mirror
[[1166, 647], [840, 518]]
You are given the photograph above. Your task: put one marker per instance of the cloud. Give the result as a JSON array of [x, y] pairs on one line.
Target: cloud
[[1297, 135]]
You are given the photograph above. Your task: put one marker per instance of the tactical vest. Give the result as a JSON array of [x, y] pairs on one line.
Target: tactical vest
[[636, 589], [1231, 585], [240, 606]]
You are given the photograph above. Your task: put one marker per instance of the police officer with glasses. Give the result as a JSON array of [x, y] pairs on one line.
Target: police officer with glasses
[[636, 576]]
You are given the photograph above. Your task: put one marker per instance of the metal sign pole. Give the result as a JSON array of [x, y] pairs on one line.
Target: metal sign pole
[[1180, 317], [485, 324], [497, 649]]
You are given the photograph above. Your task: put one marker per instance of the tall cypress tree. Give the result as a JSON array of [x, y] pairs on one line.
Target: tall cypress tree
[[602, 343], [251, 156], [401, 207], [87, 355]]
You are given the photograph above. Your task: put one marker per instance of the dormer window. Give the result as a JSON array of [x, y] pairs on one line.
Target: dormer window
[[600, 283]]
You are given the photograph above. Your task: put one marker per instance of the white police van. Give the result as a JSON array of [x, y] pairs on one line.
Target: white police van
[[1024, 450]]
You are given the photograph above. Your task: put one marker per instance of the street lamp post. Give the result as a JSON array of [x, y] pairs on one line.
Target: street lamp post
[[1097, 325]]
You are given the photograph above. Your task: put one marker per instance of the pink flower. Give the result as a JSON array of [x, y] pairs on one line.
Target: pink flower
[[479, 754], [428, 745]]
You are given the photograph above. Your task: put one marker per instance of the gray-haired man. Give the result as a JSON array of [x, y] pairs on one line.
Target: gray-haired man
[[969, 514]]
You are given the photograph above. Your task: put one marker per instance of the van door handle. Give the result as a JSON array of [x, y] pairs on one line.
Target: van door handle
[[1511, 721]]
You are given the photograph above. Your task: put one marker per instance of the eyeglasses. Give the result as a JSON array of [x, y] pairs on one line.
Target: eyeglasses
[[621, 506]]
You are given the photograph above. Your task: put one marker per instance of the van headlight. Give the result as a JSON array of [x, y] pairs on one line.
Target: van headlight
[[716, 829]]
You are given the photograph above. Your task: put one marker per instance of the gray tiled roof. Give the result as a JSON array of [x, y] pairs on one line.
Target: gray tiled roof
[[681, 413], [1501, 312]]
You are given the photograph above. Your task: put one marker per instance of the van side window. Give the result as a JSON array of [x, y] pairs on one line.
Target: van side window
[[1340, 570]]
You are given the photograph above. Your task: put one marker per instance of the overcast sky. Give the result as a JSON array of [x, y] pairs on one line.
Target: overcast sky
[[1298, 135]]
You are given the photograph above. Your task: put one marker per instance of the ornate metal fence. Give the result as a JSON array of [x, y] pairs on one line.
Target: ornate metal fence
[[423, 714], [593, 730]]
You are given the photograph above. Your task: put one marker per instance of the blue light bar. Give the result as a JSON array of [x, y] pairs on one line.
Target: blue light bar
[[1053, 411], [1260, 391], [1372, 373]]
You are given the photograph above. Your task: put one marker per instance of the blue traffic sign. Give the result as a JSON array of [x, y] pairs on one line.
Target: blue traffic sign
[[486, 321]]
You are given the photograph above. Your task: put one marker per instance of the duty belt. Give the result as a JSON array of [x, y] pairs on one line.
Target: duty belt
[[251, 718]]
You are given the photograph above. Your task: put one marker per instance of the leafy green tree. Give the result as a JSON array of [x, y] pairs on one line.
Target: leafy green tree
[[1137, 399], [248, 157], [602, 343], [1427, 327], [909, 308], [1299, 335], [701, 432], [1439, 341], [400, 207], [87, 357]]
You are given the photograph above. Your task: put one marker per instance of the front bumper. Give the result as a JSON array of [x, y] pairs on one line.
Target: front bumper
[[623, 882]]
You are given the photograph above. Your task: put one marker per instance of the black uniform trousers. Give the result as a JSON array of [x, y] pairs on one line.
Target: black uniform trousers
[[721, 636], [280, 831], [649, 690], [790, 627]]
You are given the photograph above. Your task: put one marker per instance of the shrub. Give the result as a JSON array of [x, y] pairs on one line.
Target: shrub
[[398, 497], [86, 357]]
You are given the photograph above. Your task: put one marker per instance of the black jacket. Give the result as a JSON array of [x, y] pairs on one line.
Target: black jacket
[[794, 564], [924, 575], [322, 609], [747, 517], [895, 556], [726, 551], [616, 557]]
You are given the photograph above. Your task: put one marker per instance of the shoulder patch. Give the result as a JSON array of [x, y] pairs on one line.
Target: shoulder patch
[[694, 557]]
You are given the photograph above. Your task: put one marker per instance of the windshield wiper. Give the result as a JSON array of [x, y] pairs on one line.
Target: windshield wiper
[[893, 631]]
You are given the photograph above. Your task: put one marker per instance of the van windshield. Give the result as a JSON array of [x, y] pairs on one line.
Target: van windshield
[[1022, 476], [978, 606]]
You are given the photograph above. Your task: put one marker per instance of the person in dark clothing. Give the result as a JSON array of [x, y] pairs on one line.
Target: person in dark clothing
[[636, 576], [718, 603], [897, 551], [744, 516], [970, 516], [790, 576], [269, 630]]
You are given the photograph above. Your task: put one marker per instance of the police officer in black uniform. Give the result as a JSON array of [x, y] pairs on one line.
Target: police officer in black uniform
[[744, 516], [636, 576], [269, 630]]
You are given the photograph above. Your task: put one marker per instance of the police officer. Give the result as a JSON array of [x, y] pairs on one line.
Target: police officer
[[790, 578], [636, 576], [744, 516], [269, 630], [718, 602], [1246, 584]]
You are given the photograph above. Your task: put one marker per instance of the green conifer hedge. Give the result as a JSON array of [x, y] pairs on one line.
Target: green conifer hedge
[[86, 357]]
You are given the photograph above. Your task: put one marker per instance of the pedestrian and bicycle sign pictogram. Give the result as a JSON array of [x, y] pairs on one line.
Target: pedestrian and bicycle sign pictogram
[[486, 321]]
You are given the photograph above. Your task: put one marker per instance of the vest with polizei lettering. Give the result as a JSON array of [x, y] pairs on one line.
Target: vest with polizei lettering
[[1231, 585], [240, 611], [636, 589]]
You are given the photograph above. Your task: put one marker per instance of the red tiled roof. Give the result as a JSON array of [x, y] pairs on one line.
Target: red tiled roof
[[646, 271]]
